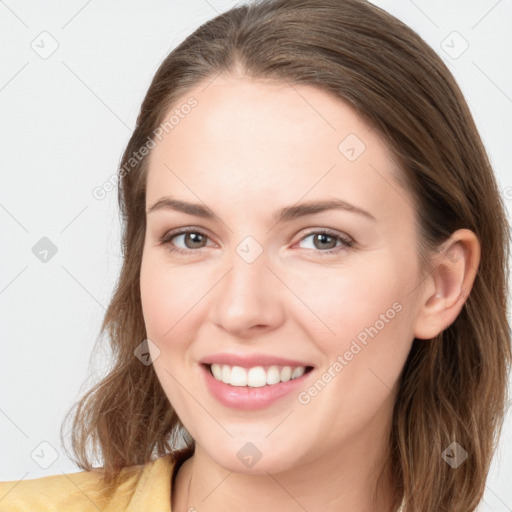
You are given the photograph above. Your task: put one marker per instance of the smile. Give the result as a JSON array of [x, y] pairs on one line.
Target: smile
[[257, 376], [255, 387]]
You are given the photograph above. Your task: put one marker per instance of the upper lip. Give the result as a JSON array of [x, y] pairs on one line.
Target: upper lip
[[251, 360]]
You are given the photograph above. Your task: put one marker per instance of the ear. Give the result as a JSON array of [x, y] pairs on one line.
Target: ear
[[447, 287]]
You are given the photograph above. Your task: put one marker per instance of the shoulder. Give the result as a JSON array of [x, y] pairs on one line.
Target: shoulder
[[86, 491]]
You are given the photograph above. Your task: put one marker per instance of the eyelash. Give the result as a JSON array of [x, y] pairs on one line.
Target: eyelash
[[166, 240]]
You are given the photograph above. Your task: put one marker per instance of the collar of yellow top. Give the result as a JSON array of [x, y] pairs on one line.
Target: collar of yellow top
[[153, 489]]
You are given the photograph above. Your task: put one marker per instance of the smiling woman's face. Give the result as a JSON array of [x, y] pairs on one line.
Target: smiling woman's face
[[247, 285]]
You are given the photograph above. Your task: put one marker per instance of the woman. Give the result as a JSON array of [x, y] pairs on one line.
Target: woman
[[369, 374]]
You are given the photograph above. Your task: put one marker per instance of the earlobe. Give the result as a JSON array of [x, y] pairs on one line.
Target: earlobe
[[447, 287]]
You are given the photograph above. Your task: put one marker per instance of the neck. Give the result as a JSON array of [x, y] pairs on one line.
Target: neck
[[354, 476]]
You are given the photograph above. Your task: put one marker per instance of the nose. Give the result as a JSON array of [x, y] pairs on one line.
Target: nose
[[249, 298]]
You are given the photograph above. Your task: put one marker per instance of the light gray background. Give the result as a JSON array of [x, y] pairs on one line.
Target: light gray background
[[65, 120]]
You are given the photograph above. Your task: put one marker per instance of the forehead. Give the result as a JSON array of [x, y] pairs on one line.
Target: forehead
[[248, 140]]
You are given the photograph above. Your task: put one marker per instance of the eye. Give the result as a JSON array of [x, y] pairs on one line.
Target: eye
[[193, 239], [324, 239]]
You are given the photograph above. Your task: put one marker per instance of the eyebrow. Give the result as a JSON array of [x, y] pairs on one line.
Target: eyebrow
[[285, 214]]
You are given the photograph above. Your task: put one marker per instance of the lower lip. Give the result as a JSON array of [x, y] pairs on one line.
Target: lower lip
[[249, 398]]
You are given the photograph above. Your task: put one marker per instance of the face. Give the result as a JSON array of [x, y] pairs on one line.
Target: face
[[332, 290]]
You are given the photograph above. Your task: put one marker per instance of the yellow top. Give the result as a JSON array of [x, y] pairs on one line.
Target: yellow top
[[142, 487]]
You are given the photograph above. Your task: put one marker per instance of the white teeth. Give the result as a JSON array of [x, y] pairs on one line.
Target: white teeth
[[273, 376], [286, 373], [217, 371], [298, 372], [238, 376], [226, 374], [255, 377]]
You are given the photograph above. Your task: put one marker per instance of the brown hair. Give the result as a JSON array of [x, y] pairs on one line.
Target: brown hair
[[453, 387]]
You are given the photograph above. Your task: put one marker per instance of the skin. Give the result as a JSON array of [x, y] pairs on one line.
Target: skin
[[249, 148]]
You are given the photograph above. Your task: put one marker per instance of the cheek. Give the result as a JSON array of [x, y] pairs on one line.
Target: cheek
[[167, 295], [156, 300], [363, 316], [366, 344], [342, 302], [168, 298]]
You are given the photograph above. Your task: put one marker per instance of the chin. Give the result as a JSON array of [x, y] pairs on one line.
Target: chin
[[253, 457]]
